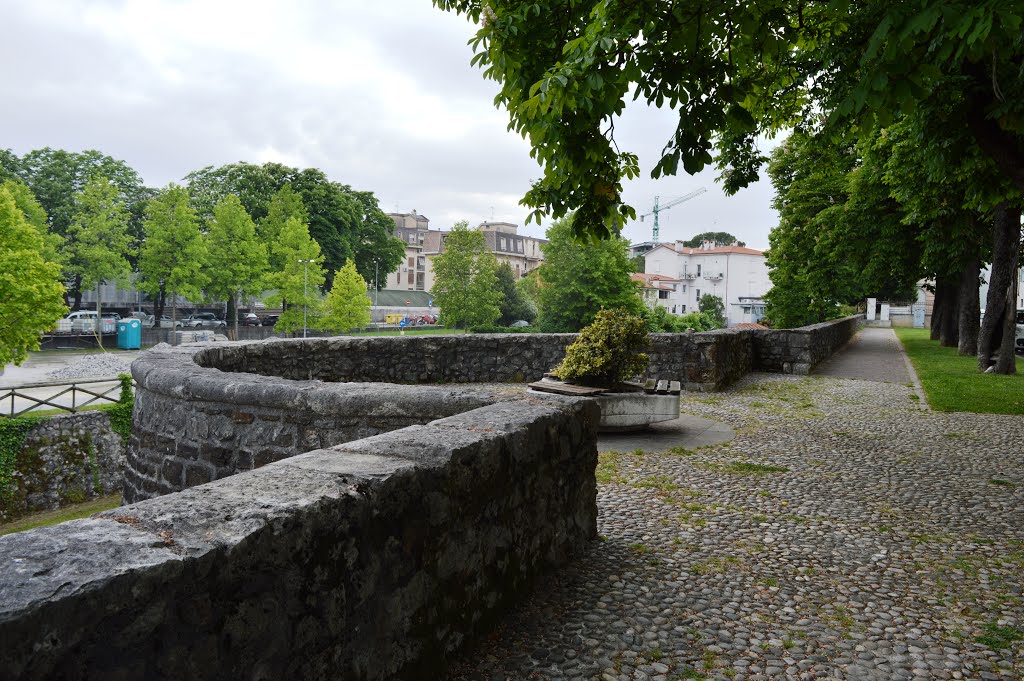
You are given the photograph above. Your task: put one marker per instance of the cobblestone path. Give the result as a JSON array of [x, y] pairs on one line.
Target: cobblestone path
[[874, 354], [845, 533]]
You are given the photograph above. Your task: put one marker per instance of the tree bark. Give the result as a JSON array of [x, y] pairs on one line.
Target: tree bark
[[937, 309], [970, 309], [233, 316], [160, 299], [76, 290], [949, 329], [997, 329]]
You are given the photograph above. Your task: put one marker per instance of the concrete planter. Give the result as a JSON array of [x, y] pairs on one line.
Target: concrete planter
[[623, 412]]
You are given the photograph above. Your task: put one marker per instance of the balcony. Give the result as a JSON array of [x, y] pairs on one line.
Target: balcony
[[714, 276]]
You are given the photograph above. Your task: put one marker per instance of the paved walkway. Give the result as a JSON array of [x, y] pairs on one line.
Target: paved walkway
[[874, 354], [844, 533]]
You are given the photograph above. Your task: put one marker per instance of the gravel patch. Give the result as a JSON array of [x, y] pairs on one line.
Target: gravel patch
[[100, 365], [845, 533]]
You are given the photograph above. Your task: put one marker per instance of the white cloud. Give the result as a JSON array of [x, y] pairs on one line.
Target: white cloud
[[379, 95]]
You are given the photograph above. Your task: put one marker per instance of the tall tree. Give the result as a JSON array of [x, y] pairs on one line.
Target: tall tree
[[712, 305], [345, 223], [57, 177], [347, 306], [31, 295], [465, 284], [173, 255], [579, 278], [98, 240], [299, 278], [236, 259], [514, 305]]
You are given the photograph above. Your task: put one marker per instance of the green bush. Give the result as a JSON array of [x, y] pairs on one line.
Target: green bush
[[121, 411], [607, 351], [660, 321]]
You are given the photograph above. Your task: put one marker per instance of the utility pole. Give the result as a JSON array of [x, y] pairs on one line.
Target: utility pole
[[305, 278]]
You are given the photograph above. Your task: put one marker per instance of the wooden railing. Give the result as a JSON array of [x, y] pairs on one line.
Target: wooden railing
[[80, 396]]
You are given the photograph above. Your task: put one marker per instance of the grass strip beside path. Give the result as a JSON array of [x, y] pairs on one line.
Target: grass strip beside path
[[953, 383], [72, 512]]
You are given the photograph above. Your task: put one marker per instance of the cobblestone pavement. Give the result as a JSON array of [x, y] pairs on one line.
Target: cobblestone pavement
[[874, 354], [845, 533]]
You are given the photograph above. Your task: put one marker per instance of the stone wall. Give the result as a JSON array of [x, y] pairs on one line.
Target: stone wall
[[64, 459], [702, 361], [368, 560], [798, 351]]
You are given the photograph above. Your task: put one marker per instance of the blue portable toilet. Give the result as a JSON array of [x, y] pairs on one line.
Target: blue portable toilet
[[129, 334]]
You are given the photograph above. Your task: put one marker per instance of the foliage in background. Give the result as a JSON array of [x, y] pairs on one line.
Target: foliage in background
[[98, 243], [712, 306], [514, 305], [607, 351], [121, 412], [173, 255], [12, 439], [345, 223], [347, 306], [236, 260], [660, 321], [296, 282], [720, 238], [31, 295], [465, 280], [953, 383], [579, 278]]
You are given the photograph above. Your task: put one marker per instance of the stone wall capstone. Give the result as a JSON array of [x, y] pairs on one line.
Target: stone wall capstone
[[64, 459]]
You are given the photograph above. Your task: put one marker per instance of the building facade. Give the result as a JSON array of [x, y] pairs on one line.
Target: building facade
[[422, 245], [736, 274]]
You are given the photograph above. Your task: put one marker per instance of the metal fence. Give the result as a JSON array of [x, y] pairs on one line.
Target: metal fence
[[69, 396]]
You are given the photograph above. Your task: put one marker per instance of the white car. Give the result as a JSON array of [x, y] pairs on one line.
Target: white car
[[1019, 337]]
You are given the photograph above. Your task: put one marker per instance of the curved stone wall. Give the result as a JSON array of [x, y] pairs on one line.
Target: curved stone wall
[[372, 559]]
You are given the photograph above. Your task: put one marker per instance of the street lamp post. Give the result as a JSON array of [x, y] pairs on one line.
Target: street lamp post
[[305, 263], [376, 285]]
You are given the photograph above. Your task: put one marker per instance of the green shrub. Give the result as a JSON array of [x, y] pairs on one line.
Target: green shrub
[[607, 351], [12, 438], [121, 412]]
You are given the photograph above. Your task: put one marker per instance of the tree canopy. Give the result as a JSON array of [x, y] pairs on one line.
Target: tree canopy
[[735, 70], [31, 295], [236, 259], [578, 279], [465, 284], [346, 224], [347, 306], [720, 238], [172, 259]]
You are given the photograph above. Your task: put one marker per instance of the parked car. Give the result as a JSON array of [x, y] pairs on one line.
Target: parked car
[[249, 319], [203, 320], [165, 322], [270, 319], [84, 321]]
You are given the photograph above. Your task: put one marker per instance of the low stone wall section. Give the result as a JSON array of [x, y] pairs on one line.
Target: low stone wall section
[[703, 361], [369, 560], [798, 351], [63, 460], [193, 425]]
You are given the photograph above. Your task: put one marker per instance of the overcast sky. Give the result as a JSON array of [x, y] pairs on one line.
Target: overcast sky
[[380, 95]]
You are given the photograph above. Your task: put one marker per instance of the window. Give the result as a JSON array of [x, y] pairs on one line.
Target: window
[[501, 244], [684, 309], [663, 295], [684, 288], [519, 246], [412, 262], [412, 238], [698, 295], [412, 276], [698, 273], [421, 263]]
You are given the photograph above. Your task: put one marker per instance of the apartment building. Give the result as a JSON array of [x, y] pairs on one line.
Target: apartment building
[[736, 274], [657, 289], [422, 244]]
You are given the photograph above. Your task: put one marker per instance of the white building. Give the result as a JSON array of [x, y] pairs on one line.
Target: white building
[[736, 274], [657, 289]]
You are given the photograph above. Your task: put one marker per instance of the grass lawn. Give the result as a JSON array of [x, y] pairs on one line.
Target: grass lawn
[[953, 383], [73, 512]]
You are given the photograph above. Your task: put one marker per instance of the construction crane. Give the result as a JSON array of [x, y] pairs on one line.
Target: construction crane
[[672, 202]]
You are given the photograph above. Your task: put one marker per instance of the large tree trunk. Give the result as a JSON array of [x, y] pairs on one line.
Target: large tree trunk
[[76, 292], [233, 316], [997, 329], [970, 309], [159, 300], [944, 312], [937, 308]]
